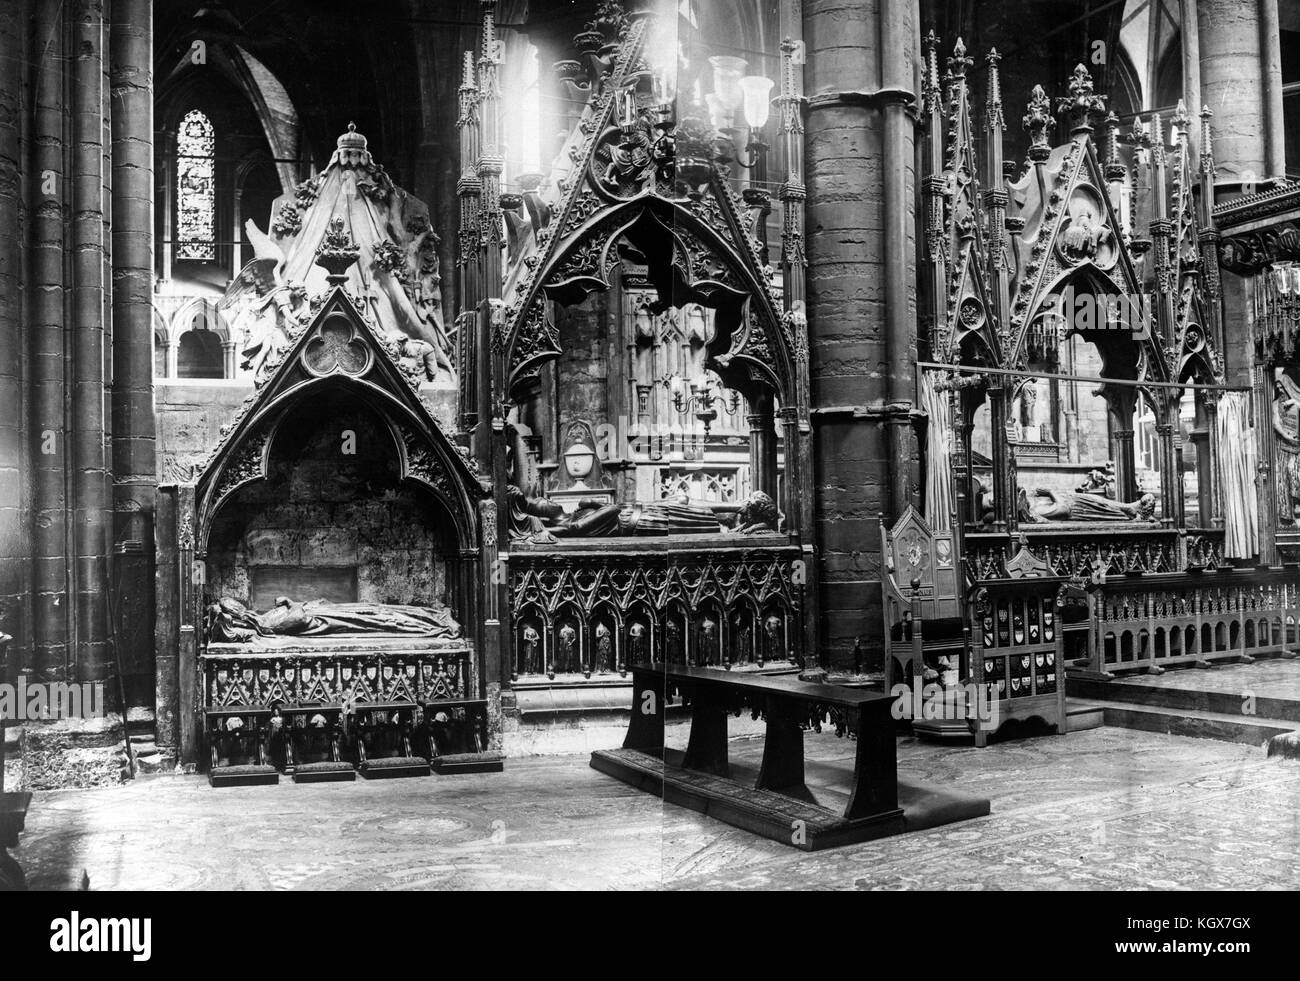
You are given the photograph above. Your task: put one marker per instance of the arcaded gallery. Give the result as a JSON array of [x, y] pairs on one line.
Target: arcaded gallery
[[642, 444]]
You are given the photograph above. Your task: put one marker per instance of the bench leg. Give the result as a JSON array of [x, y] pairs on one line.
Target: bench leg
[[707, 749], [645, 730], [782, 768], [875, 772]]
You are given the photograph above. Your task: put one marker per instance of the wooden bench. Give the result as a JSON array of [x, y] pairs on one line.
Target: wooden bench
[[778, 804]]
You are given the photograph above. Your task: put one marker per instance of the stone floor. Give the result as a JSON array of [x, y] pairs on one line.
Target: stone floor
[[1106, 808]]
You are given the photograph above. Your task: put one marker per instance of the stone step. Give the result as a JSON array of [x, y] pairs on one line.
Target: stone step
[[1252, 730], [1080, 716], [1154, 693], [153, 763]]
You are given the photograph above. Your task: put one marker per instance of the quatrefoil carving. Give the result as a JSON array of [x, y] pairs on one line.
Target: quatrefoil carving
[[336, 347]]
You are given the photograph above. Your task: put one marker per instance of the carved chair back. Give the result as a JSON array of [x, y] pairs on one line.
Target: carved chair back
[[921, 585]]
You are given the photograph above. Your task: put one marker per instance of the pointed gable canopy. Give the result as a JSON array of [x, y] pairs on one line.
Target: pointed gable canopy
[[1072, 235], [339, 346], [968, 310], [627, 173]]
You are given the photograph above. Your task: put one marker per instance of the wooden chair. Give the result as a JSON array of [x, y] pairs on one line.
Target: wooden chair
[[314, 743], [237, 741], [921, 585], [383, 742]]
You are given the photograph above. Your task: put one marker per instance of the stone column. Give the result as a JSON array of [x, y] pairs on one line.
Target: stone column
[[165, 222], [1232, 85], [1171, 474], [15, 543], [860, 248], [1003, 462], [90, 478], [1270, 39], [1121, 403], [134, 464], [1201, 438], [47, 204], [899, 72], [1191, 69], [1266, 477], [762, 445]]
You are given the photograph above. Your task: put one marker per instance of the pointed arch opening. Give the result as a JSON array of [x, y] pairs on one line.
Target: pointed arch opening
[[333, 516], [654, 365]]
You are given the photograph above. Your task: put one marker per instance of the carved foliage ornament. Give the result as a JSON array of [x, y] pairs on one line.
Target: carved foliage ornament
[[1253, 251], [424, 464]]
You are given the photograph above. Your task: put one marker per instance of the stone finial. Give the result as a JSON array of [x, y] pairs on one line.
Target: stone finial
[[1157, 138], [995, 85], [1082, 103], [488, 52], [468, 79], [1140, 136], [1036, 121], [1180, 121], [337, 252], [993, 105], [611, 20], [930, 77], [958, 63]]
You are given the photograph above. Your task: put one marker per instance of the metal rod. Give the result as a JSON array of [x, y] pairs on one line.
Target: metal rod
[[1129, 382]]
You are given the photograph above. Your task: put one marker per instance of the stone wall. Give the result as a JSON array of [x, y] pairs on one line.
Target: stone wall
[[189, 420], [325, 508]]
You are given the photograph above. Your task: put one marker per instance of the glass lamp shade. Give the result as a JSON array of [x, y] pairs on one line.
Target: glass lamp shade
[[662, 60], [727, 73], [665, 84], [757, 96], [1295, 278]]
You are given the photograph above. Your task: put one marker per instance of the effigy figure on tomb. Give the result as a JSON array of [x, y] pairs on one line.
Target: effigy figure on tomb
[[1055, 505], [230, 621]]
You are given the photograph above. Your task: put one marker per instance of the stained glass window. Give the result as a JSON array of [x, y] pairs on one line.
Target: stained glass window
[[195, 204]]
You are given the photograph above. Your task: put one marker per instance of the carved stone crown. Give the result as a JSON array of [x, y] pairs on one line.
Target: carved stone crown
[[351, 149]]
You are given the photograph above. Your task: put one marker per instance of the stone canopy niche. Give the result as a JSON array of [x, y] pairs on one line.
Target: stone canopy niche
[[333, 519]]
